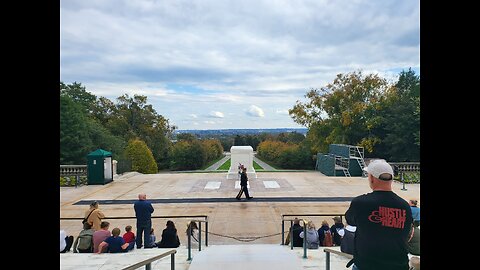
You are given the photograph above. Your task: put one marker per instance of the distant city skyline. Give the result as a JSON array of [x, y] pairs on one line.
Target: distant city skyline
[[231, 64]]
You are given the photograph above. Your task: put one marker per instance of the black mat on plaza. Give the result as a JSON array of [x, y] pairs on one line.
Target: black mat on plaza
[[224, 200]]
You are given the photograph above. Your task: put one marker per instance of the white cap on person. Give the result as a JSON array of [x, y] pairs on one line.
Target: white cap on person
[[378, 167]]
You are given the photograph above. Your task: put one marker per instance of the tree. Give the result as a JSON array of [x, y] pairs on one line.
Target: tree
[[402, 119], [338, 111], [141, 157], [74, 138]]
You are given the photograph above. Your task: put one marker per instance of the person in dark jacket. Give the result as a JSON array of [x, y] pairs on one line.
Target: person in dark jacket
[[336, 231], [295, 230], [243, 185], [383, 220], [347, 245], [321, 231], [169, 237], [143, 212]]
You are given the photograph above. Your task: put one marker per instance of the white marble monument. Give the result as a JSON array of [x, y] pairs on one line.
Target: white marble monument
[[241, 155]]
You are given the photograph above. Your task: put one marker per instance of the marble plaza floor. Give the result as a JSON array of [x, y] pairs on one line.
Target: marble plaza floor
[[227, 220]]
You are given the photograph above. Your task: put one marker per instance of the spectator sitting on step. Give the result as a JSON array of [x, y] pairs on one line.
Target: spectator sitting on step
[[413, 242], [415, 211], [348, 245], [94, 216], [296, 229], [129, 237], [153, 238], [65, 241], [114, 243], [321, 231], [312, 236], [192, 228], [84, 241], [336, 231], [169, 237], [100, 235]]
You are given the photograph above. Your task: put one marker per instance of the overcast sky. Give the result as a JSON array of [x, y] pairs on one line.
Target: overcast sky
[[231, 64]]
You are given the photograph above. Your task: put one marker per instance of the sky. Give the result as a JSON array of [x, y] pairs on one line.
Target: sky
[[220, 64]]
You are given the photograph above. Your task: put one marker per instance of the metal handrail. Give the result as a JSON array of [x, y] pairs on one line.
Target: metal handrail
[[327, 258], [148, 262], [304, 228]]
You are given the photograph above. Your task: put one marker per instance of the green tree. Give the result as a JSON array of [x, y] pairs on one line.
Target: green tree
[[188, 155], [141, 157], [74, 138], [339, 110], [135, 118], [402, 119]]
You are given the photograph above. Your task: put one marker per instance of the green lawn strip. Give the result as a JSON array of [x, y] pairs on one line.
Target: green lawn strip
[[256, 166], [225, 166], [211, 163]]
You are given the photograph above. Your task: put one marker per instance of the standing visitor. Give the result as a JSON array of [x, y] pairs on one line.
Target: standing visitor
[[383, 221], [143, 212]]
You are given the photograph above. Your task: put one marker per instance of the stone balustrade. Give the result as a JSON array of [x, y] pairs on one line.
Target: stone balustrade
[[73, 170]]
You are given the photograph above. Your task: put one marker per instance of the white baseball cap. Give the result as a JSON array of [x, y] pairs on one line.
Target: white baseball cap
[[378, 167]]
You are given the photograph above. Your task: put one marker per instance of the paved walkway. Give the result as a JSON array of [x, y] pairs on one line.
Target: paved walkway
[[219, 163], [250, 257], [264, 165]]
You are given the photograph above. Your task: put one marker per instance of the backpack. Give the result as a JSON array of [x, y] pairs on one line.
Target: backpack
[[85, 243], [327, 241]]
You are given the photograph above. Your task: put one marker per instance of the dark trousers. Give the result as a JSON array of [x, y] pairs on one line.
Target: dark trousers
[[144, 227], [243, 189]]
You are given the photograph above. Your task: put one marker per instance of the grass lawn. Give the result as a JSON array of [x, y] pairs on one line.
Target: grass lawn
[[256, 166], [211, 163], [225, 166]]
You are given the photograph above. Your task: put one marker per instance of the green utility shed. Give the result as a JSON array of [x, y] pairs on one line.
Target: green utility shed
[[99, 167]]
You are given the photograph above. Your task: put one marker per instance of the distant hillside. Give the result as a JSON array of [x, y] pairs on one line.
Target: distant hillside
[[241, 131]]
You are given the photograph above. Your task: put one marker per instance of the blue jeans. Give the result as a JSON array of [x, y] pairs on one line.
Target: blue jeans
[[144, 227]]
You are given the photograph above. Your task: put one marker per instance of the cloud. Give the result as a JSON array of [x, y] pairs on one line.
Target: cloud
[[215, 114], [279, 111], [192, 115], [255, 111], [225, 55], [209, 122]]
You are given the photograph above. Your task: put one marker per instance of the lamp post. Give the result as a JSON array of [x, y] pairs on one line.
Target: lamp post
[[403, 181]]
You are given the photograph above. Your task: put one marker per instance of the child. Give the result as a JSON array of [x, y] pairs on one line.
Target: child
[[115, 243], [129, 237], [153, 239]]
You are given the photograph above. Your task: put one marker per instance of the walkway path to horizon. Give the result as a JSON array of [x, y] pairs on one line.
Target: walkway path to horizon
[[219, 163], [264, 165]]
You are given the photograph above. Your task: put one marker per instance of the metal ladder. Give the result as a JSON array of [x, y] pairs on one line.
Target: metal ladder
[[346, 172], [360, 161]]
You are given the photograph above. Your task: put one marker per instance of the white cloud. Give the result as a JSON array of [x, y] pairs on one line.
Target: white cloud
[[255, 111], [192, 115], [209, 122], [215, 114], [279, 111]]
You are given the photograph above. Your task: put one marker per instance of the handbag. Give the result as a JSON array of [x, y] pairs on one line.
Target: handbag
[[85, 219]]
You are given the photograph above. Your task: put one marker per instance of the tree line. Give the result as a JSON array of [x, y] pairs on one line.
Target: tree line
[[129, 128], [364, 110]]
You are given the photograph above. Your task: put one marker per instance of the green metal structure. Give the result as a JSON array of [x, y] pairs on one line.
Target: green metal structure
[[99, 167], [342, 160]]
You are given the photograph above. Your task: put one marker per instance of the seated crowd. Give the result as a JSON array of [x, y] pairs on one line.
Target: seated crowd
[[106, 241]]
